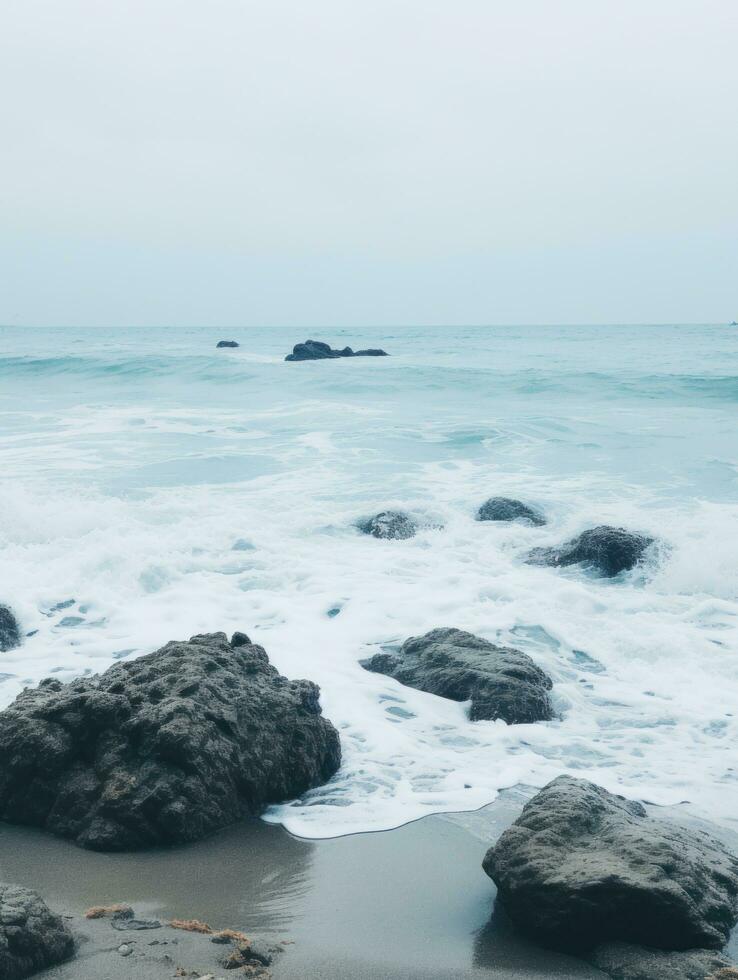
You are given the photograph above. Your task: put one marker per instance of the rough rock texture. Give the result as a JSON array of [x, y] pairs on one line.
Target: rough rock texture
[[165, 748], [500, 682], [610, 550], [624, 962], [581, 866], [507, 509], [31, 936], [9, 630], [227, 343], [316, 350], [389, 524]]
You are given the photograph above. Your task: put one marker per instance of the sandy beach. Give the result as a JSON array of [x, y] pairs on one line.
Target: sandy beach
[[400, 905]]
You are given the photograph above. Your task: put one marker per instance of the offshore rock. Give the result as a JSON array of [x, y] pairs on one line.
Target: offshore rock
[[316, 350], [508, 509], [165, 748], [9, 630], [390, 524], [609, 550], [500, 682], [581, 866]]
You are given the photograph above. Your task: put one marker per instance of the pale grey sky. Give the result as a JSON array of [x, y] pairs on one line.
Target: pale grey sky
[[332, 162]]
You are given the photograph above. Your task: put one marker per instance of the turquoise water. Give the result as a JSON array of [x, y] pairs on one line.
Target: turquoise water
[[134, 460]]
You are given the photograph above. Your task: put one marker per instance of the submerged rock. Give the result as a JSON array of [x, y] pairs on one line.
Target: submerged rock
[[610, 550], [316, 350], [31, 936], [389, 524], [622, 961], [165, 748], [507, 509], [581, 866], [9, 630], [500, 682], [227, 343]]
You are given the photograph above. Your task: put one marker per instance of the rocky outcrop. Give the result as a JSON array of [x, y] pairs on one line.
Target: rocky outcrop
[[622, 961], [227, 343], [500, 682], [165, 748], [609, 550], [389, 524], [581, 867], [316, 350], [508, 509], [31, 936], [9, 630]]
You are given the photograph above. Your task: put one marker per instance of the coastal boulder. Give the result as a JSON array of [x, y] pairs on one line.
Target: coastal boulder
[[581, 867], [227, 343], [31, 936], [621, 961], [609, 550], [9, 630], [500, 682], [316, 350], [508, 509], [165, 748], [389, 524]]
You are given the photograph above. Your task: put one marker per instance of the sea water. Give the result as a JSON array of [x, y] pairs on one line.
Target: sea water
[[153, 487]]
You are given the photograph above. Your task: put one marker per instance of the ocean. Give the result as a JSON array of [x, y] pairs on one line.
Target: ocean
[[153, 487]]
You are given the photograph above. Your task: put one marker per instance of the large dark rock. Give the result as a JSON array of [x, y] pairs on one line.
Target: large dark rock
[[622, 961], [581, 867], [165, 748], [389, 524], [500, 682], [31, 936], [609, 550], [316, 350], [507, 509], [227, 343], [9, 630]]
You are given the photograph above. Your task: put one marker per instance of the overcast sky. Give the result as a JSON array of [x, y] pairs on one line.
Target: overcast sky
[[239, 162]]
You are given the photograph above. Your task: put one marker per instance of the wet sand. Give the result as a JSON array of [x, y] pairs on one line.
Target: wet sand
[[407, 904]]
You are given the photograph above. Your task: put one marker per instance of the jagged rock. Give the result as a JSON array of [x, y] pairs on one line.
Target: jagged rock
[[165, 748], [500, 682], [9, 630], [507, 509], [622, 961], [610, 550], [227, 343], [389, 524], [316, 350], [31, 936], [581, 866]]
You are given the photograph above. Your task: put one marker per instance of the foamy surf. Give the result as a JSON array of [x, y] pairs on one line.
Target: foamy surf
[[140, 511]]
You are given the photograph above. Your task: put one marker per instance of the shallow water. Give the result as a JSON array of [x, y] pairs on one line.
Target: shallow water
[[169, 489]]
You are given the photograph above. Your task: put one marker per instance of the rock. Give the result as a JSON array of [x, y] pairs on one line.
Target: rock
[[227, 343], [389, 524], [581, 867], [507, 509], [500, 682], [9, 630], [316, 350], [165, 748], [609, 550], [125, 950], [124, 924], [622, 961], [31, 936]]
